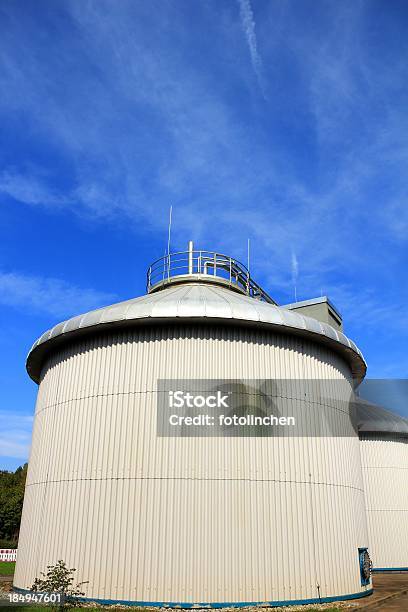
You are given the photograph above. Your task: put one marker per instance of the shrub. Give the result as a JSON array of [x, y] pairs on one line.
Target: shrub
[[59, 579]]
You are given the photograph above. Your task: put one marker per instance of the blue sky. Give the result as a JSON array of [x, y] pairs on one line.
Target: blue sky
[[280, 121]]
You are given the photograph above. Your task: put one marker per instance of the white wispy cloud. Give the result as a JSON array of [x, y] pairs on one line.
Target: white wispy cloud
[[248, 26], [294, 266], [29, 189], [15, 434], [362, 305], [295, 271], [49, 295]]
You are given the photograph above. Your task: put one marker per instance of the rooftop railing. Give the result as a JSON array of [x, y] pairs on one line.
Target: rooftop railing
[[207, 266]]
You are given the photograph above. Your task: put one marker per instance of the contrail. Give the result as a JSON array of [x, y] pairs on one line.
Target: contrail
[[248, 26], [295, 272]]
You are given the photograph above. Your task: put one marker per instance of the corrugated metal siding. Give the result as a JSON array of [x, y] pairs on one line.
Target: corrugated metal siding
[[384, 459], [187, 519]]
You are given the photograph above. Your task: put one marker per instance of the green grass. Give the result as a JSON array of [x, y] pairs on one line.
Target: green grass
[[7, 568]]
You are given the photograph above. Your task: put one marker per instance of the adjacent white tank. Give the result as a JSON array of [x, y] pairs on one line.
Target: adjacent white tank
[[160, 520], [384, 458]]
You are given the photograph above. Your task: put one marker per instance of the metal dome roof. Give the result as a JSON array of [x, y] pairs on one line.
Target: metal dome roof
[[375, 419], [190, 302]]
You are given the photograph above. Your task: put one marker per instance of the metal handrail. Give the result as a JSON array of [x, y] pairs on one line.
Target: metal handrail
[[208, 264]]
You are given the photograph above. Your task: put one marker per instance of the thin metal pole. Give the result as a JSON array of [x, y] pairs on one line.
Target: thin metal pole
[[168, 243], [248, 262], [190, 256]]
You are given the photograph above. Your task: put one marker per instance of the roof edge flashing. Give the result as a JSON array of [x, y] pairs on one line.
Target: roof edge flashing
[[214, 308]]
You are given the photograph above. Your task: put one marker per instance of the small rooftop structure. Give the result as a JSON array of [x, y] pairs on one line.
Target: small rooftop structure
[[320, 308]]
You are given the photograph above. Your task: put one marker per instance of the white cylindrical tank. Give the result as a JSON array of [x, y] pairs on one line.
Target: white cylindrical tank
[[186, 520], [384, 458]]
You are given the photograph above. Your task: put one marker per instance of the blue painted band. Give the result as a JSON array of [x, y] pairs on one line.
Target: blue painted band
[[243, 604], [390, 569]]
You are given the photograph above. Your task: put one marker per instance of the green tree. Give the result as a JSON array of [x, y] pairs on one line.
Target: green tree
[[12, 486]]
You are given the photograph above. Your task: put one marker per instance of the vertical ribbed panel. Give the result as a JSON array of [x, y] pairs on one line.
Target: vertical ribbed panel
[[384, 459], [189, 520]]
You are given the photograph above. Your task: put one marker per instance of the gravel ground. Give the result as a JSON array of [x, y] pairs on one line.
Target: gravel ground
[[6, 587]]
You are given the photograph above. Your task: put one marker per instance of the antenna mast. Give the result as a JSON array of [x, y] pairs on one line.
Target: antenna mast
[[295, 272], [169, 235], [168, 243]]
